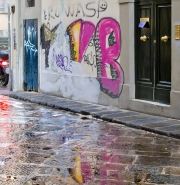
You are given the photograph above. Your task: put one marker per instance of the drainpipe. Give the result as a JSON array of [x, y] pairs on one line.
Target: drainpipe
[[9, 46]]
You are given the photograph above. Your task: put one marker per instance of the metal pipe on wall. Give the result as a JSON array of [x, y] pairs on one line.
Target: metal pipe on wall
[[9, 46]]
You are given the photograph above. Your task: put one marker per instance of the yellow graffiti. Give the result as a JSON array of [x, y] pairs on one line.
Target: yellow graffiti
[[75, 30], [49, 35], [77, 170]]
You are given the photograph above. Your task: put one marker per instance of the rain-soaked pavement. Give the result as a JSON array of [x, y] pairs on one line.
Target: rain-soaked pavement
[[43, 146]]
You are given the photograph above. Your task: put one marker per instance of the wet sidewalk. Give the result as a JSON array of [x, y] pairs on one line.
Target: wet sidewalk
[[160, 125], [40, 145]]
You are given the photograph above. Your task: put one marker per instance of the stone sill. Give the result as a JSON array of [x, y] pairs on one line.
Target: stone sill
[[126, 1], [152, 103]]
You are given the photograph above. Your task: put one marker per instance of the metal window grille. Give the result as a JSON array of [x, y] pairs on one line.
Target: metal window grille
[[31, 3], [3, 32], [3, 7]]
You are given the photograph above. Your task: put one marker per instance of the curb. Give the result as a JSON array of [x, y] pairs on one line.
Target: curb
[[158, 125]]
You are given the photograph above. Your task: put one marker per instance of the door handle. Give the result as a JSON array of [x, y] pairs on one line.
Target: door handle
[[165, 38], [144, 38]]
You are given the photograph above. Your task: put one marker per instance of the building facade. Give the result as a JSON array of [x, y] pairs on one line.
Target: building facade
[[3, 25], [122, 53]]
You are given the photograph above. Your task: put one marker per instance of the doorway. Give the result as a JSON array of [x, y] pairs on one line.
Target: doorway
[[31, 55], [153, 51]]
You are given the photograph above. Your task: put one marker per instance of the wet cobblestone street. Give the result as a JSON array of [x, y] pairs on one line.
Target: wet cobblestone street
[[44, 146]]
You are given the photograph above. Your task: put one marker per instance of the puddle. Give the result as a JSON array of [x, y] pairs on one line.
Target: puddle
[[44, 146]]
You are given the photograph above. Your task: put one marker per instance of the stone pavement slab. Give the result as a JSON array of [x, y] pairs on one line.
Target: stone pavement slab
[[98, 114], [152, 119], [161, 125], [112, 116], [127, 119]]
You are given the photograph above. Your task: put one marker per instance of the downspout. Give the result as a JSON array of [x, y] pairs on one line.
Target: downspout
[[9, 46]]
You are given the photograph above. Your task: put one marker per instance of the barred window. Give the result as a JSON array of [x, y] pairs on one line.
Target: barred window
[[30, 3]]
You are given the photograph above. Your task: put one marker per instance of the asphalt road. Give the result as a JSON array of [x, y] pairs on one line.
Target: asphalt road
[[4, 89], [40, 145]]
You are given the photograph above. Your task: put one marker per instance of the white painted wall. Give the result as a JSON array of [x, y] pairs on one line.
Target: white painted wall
[[3, 21], [76, 78]]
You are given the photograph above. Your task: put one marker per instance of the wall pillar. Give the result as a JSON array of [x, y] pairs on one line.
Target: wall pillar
[[127, 50]]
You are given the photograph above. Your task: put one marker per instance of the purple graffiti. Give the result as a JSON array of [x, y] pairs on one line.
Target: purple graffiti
[[63, 62]]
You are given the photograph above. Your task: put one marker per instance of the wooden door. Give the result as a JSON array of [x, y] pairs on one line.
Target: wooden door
[[153, 54], [31, 55], [163, 53]]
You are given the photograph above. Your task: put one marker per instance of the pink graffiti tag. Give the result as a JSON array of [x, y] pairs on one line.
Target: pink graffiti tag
[[88, 30], [106, 39], [107, 43]]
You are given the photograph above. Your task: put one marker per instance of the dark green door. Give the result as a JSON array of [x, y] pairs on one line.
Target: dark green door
[[153, 51], [31, 55]]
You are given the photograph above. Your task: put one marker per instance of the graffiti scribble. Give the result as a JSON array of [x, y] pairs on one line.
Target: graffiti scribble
[[64, 63], [90, 59], [102, 7], [80, 35], [30, 46], [31, 33]]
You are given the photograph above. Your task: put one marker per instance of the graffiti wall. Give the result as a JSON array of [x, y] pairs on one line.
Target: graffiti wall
[[81, 47]]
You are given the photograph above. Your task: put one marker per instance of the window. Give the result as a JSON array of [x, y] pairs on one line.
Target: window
[[30, 3]]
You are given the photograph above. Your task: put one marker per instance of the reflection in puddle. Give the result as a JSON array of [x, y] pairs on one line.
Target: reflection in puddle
[[50, 147], [4, 106], [77, 171]]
